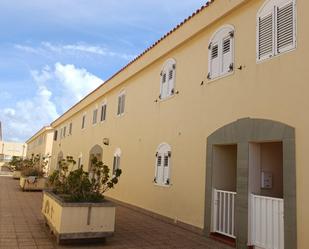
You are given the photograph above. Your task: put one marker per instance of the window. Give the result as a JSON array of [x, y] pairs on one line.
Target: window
[[168, 75], [163, 164], [103, 112], [121, 103], [83, 121], [61, 133], [221, 53], [55, 135], [276, 28], [95, 116], [70, 128], [64, 131], [116, 161], [79, 162]]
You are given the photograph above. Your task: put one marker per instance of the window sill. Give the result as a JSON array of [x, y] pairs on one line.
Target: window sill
[[221, 77], [120, 115], [260, 61], [162, 185], [167, 98]]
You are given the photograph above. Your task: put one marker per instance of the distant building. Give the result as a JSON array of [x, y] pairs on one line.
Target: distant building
[[10, 149], [41, 143]]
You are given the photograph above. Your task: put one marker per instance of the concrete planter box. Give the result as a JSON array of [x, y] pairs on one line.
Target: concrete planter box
[[16, 174], [70, 221], [27, 184]]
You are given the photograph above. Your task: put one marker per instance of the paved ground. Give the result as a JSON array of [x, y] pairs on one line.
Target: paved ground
[[22, 226]]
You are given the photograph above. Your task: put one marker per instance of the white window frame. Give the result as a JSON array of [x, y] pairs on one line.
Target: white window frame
[[267, 8], [95, 116], [224, 32], [169, 65], [104, 103], [163, 150], [80, 160], [64, 131], [121, 104], [84, 120], [70, 128], [116, 160]]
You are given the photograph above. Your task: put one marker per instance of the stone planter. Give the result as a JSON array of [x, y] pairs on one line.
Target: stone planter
[[16, 174], [28, 183], [69, 221]]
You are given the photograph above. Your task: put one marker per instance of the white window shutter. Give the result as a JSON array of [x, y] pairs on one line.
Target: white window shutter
[[164, 86], [214, 61], [166, 168], [227, 56], [266, 36], [285, 27], [114, 164], [119, 105], [171, 76], [123, 97], [159, 171], [103, 112]]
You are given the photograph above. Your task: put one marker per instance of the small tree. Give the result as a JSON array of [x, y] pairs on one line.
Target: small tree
[[16, 163], [33, 166], [81, 186]]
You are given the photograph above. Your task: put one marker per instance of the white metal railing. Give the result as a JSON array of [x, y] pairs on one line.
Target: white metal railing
[[223, 212], [267, 224]]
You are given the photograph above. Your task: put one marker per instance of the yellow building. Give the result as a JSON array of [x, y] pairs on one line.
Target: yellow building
[[10, 149], [41, 144], [209, 124]]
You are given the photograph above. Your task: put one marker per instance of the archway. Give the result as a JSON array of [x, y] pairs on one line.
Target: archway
[[243, 133]]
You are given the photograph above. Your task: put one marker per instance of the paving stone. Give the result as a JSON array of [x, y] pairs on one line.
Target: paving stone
[[22, 227]]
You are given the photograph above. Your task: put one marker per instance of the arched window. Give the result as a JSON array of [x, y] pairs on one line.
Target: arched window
[[276, 28], [95, 152], [168, 74], [221, 53], [116, 161], [163, 164]]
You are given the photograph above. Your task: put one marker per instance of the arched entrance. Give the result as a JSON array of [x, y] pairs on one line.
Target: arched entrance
[[251, 160]]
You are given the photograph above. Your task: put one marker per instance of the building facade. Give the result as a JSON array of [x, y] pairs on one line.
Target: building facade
[[209, 124], [10, 149], [41, 143]]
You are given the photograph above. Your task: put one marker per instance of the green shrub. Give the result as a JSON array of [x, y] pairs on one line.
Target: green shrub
[[32, 172], [79, 185], [29, 166]]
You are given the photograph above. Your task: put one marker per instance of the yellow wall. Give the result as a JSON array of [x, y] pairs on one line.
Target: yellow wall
[[275, 89], [41, 143]]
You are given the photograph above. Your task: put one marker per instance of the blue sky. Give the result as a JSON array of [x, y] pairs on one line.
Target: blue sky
[[54, 52]]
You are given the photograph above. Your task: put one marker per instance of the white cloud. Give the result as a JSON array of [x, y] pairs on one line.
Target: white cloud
[[77, 49], [58, 88], [77, 81]]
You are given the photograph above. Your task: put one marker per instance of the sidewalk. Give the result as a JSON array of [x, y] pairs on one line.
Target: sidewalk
[[22, 227]]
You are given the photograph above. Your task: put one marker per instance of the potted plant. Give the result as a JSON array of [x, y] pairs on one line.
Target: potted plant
[[16, 165], [32, 175], [74, 207]]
